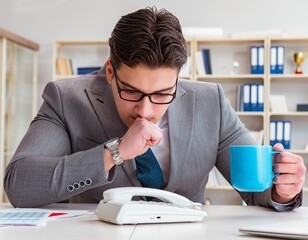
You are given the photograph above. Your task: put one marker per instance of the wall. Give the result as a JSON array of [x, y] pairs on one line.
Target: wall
[[45, 21]]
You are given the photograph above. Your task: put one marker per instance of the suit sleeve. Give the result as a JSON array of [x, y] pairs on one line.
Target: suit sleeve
[[43, 170], [233, 132]]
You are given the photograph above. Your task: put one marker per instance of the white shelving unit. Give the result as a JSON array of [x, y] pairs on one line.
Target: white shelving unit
[[18, 86], [82, 53], [294, 86]]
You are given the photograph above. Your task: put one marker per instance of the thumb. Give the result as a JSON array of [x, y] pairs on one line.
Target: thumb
[[278, 147]]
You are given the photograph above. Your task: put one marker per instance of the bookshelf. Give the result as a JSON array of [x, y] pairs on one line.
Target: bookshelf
[[224, 51], [83, 53], [78, 53], [18, 86]]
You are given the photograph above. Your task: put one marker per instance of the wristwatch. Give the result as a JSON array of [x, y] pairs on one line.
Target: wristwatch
[[113, 146]]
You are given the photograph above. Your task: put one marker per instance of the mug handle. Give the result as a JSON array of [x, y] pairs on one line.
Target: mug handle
[[275, 174]]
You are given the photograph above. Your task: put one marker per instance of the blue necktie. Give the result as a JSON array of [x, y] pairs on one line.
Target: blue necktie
[[148, 170]]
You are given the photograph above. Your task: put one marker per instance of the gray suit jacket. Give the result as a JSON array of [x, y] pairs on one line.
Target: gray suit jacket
[[61, 155]]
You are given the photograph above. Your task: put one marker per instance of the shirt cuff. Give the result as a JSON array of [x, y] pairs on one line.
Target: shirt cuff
[[283, 207]]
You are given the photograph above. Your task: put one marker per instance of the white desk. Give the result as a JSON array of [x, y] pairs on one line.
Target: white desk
[[222, 222]]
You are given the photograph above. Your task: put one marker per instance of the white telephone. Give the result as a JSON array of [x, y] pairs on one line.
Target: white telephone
[[117, 207]]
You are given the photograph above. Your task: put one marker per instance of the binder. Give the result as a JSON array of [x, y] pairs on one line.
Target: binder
[[253, 97], [273, 59], [260, 64], [208, 58], [280, 59], [205, 60], [254, 60], [260, 98], [279, 132], [239, 98], [272, 133], [246, 97], [286, 134]]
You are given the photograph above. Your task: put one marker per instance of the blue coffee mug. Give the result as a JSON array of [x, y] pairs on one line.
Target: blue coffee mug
[[251, 167]]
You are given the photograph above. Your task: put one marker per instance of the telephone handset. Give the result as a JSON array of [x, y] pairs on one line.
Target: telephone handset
[[117, 207]]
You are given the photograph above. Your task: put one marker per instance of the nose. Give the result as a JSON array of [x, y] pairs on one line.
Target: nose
[[144, 108]]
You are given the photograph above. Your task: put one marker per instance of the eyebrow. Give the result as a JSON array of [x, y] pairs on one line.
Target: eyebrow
[[128, 85]]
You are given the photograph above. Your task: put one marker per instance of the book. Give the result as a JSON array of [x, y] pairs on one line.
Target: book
[[87, 70], [207, 60], [64, 66]]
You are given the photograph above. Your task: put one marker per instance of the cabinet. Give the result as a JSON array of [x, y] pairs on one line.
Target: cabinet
[[18, 86], [224, 52]]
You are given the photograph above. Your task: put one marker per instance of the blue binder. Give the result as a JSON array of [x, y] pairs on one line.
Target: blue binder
[[260, 98], [287, 134], [280, 60], [205, 61], [254, 60], [260, 64], [272, 133], [279, 132], [273, 60], [246, 97], [253, 97]]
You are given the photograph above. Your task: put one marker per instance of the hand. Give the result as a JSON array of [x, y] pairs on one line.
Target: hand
[[140, 136], [291, 176]]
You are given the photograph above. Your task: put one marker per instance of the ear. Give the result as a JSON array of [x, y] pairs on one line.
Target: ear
[[109, 71]]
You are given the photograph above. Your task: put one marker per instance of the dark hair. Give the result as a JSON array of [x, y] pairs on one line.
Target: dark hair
[[148, 36]]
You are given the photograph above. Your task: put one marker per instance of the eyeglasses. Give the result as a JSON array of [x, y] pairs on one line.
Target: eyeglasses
[[137, 95]]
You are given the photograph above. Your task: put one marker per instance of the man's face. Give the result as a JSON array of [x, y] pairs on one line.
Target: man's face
[[142, 79]]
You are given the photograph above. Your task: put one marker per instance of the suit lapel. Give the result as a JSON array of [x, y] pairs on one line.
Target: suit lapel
[[180, 122], [102, 101]]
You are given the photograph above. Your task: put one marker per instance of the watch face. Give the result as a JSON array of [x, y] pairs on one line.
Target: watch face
[[112, 140]]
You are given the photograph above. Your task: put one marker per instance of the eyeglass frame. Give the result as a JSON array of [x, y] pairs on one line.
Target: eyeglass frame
[[143, 94]]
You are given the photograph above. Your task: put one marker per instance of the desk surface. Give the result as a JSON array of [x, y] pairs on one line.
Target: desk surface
[[222, 222]]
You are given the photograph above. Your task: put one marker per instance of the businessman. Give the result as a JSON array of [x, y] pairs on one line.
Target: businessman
[[92, 132]]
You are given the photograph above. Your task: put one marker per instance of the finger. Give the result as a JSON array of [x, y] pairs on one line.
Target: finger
[[287, 157], [278, 147], [285, 168]]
